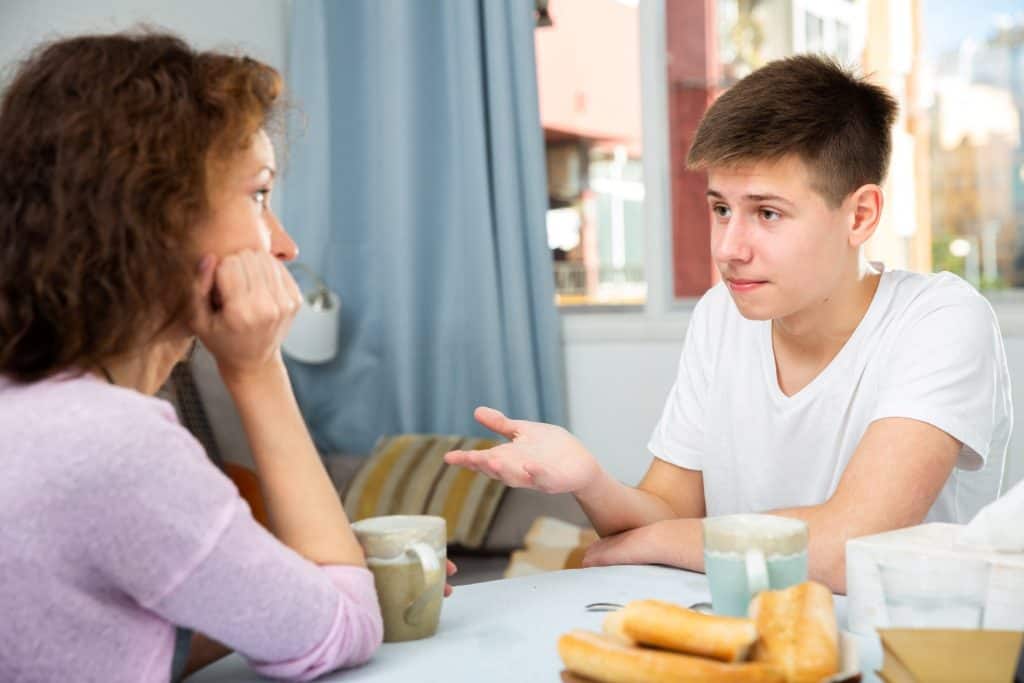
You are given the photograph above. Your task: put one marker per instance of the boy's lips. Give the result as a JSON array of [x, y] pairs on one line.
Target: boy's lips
[[743, 284]]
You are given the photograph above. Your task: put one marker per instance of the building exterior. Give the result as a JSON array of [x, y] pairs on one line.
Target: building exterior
[[590, 100]]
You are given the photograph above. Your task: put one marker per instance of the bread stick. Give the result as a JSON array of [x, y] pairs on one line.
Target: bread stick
[[603, 658], [798, 632], [672, 627]]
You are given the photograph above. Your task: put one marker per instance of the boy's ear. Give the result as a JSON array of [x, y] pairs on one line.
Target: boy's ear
[[865, 206]]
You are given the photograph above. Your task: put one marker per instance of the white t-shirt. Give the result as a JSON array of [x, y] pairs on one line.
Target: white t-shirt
[[928, 348]]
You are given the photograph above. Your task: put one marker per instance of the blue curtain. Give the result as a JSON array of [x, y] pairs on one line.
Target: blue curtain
[[417, 187]]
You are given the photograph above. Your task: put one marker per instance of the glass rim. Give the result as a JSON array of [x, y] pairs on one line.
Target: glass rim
[[933, 564]]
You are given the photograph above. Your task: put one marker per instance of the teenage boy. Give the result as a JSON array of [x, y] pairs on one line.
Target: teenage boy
[[812, 383]]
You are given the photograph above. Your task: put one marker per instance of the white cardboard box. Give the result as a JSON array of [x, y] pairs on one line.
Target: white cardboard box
[[1004, 607]]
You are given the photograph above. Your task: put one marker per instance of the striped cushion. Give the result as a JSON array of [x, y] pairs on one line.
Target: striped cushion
[[406, 475]]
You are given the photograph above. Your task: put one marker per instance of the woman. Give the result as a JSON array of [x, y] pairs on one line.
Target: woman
[[135, 177]]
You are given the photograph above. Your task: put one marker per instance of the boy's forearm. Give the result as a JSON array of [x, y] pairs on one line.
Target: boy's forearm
[[679, 543], [682, 544], [303, 506], [614, 507], [829, 528]]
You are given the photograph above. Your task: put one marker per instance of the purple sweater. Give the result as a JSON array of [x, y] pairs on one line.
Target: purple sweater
[[115, 528]]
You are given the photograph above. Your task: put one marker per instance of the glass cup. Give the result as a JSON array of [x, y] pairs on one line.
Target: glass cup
[[746, 554], [934, 592], [407, 555]]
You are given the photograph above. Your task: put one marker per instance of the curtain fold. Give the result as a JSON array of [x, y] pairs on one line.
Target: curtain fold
[[416, 186]]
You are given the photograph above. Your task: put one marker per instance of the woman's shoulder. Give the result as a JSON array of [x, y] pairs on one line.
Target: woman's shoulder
[[84, 455], [78, 424], [71, 401]]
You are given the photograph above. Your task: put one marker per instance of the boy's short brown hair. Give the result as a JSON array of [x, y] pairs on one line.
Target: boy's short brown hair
[[808, 106]]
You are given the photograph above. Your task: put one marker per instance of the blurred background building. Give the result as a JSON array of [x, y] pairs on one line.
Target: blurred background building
[[955, 190], [588, 70]]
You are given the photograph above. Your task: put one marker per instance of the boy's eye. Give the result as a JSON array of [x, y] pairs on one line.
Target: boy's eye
[[260, 196], [720, 210], [770, 215]]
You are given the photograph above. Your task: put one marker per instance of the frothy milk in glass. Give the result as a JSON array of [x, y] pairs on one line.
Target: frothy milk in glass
[[746, 554]]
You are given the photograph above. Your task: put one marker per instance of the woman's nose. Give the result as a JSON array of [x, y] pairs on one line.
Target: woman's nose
[[282, 246]]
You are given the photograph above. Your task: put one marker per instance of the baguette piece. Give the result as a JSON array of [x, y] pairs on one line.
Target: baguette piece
[[603, 658], [798, 631], [672, 627], [614, 626]]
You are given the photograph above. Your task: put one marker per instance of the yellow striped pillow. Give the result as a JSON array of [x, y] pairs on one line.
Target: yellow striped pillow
[[406, 475]]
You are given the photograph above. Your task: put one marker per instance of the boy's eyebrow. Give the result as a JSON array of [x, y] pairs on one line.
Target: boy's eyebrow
[[753, 197]]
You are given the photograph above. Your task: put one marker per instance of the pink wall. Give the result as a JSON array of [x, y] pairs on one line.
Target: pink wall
[[588, 71]]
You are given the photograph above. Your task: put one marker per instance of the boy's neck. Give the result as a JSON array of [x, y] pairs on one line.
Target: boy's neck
[[821, 331]]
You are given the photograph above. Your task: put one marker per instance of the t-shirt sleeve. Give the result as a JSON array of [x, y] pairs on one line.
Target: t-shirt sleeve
[[172, 533], [948, 369], [678, 437]]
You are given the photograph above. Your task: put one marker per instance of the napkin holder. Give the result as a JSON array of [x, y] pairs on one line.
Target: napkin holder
[[1004, 606]]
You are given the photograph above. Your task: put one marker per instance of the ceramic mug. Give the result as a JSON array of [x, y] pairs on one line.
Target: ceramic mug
[[407, 555]]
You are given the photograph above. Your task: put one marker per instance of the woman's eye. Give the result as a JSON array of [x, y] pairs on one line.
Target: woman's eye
[[770, 215], [260, 196]]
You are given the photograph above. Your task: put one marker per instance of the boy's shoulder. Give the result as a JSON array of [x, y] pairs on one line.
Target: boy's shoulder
[[919, 295]]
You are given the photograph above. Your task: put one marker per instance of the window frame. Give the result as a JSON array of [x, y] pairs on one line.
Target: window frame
[[850, 13], [663, 316], [611, 321]]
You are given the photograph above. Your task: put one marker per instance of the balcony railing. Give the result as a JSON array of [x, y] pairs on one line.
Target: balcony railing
[[571, 278]]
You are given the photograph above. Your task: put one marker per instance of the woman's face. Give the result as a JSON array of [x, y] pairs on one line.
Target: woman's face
[[240, 216]]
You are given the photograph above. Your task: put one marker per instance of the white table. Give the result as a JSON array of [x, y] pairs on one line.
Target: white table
[[507, 630]]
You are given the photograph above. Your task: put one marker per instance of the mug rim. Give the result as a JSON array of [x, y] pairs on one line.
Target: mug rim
[[784, 524], [774, 535], [374, 525]]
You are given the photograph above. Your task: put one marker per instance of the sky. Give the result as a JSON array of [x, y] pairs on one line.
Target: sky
[[947, 22]]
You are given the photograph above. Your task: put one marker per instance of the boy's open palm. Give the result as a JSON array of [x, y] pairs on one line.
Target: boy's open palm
[[539, 456]]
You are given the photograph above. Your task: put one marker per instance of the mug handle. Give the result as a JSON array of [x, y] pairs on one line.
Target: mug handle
[[757, 571], [430, 564]]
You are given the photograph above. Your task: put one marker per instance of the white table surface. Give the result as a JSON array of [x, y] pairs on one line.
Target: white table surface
[[507, 630]]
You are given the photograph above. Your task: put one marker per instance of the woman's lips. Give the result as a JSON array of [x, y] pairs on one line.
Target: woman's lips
[[738, 285]]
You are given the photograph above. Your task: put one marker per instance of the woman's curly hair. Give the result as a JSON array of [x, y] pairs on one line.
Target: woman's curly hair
[[106, 147]]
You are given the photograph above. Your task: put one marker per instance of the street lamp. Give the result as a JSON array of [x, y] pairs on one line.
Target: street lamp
[[966, 248], [960, 247]]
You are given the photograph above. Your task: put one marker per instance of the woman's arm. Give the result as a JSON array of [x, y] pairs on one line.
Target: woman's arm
[[257, 300], [303, 506]]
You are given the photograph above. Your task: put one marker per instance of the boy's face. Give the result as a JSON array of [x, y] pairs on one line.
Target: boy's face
[[778, 245]]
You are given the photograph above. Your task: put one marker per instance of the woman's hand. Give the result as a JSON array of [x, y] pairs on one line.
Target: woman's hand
[[540, 456], [450, 569], [242, 310]]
